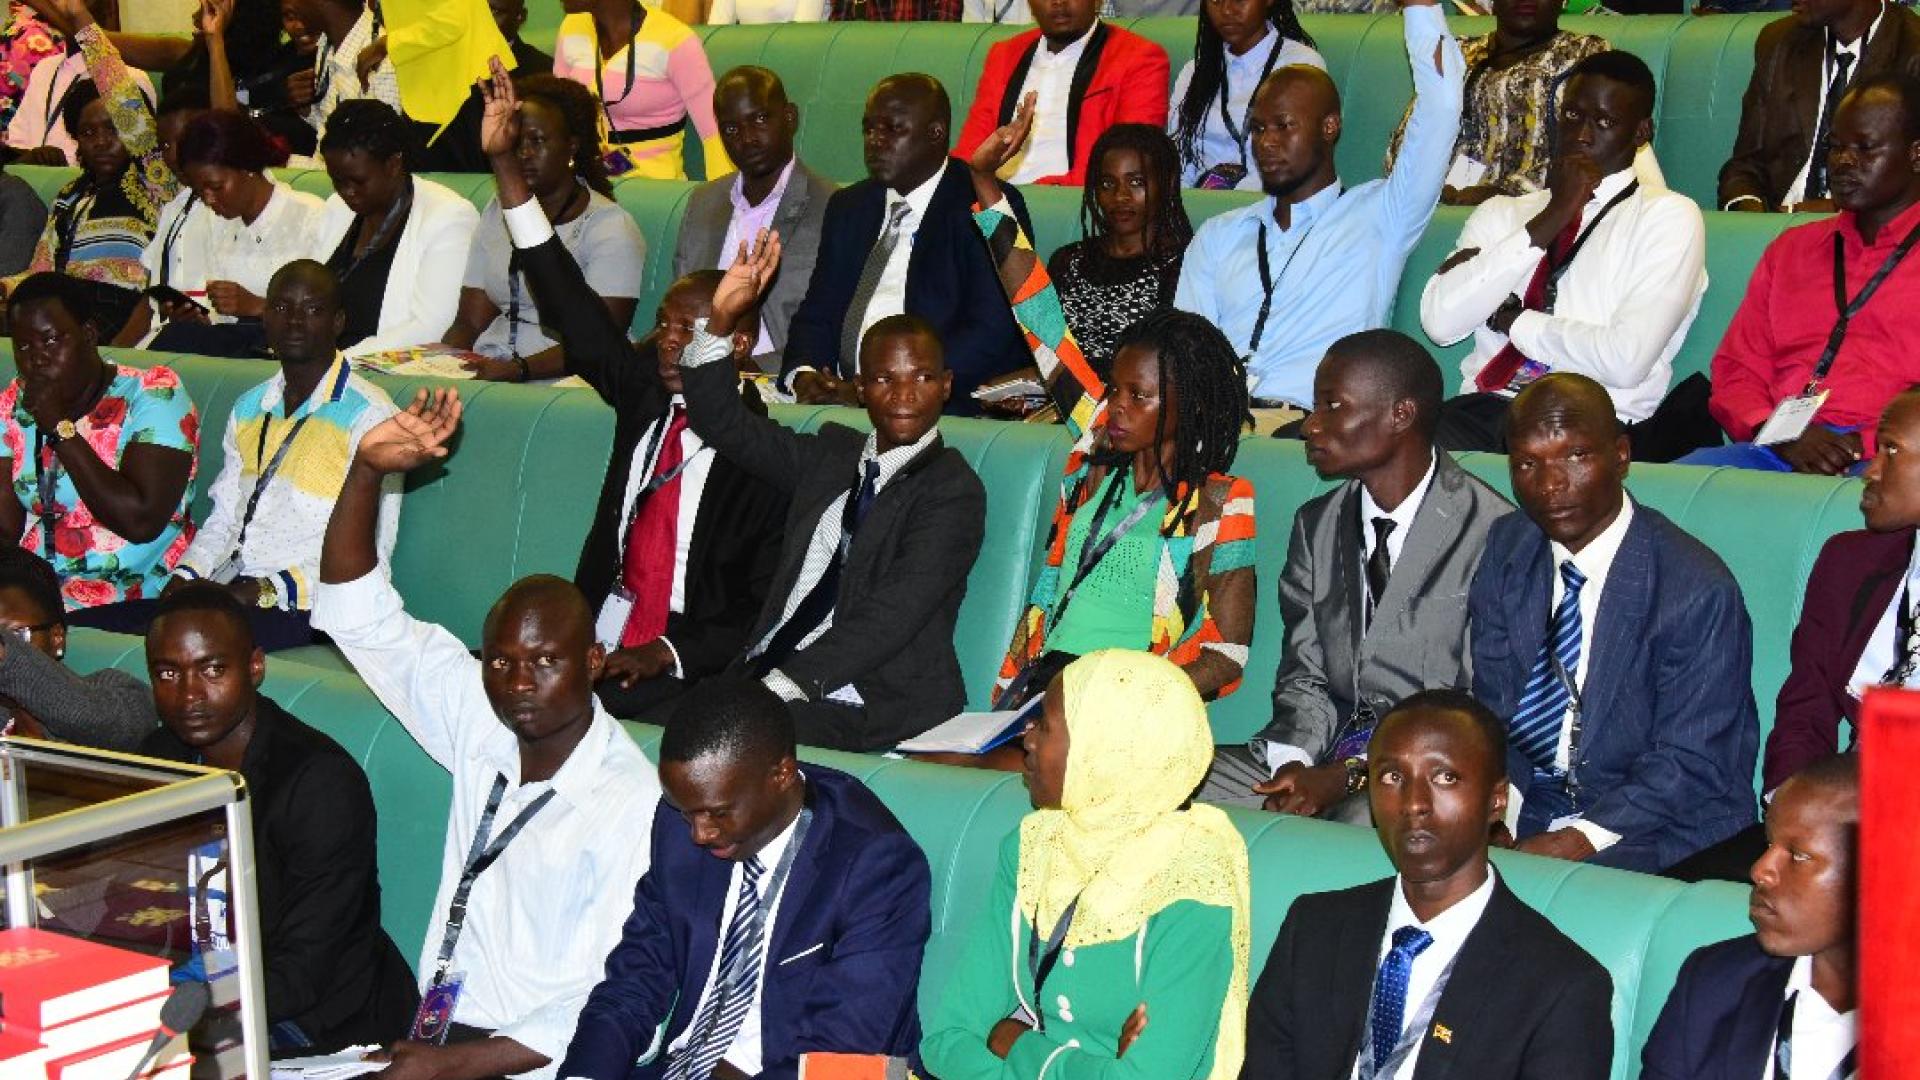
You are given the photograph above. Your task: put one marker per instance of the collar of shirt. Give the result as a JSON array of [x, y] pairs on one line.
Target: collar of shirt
[[1255, 58], [1304, 213], [1818, 1029], [1886, 239], [776, 848], [1044, 57], [329, 388], [1402, 515], [917, 199], [1596, 559], [577, 778], [745, 210], [1603, 193], [892, 461], [1449, 928]]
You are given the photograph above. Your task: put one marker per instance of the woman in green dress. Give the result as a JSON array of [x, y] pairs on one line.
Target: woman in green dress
[[1114, 942]]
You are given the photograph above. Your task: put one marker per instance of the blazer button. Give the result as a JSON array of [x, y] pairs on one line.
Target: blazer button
[[1067, 957]]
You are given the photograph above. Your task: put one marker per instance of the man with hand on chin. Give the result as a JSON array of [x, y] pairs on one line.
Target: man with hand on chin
[[1440, 969]]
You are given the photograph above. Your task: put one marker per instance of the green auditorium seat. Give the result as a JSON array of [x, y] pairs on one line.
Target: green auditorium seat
[[1707, 74], [656, 206]]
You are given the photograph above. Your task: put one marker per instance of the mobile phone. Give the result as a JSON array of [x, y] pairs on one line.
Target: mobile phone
[[167, 294]]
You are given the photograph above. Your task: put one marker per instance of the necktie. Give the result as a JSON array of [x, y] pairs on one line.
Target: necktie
[[1379, 564], [647, 569], [876, 265], [1823, 133], [1535, 730], [735, 981], [1505, 364], [1389, 1008], [1906, 644], [817, 605]]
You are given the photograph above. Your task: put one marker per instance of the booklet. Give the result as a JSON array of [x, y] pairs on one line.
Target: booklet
[[974, 732]]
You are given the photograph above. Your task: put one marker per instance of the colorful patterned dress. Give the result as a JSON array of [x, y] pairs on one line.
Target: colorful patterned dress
[[24, 42]]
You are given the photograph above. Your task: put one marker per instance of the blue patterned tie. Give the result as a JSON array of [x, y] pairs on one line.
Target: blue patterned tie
[[1390, 990], [1535, 730], [734, 984]]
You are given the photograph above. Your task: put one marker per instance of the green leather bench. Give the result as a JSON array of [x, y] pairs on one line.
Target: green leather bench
[[1640, 927]]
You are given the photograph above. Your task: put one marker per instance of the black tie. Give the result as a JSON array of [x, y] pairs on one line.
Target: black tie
[[1823, 134], [1379, 564], [817, 605]]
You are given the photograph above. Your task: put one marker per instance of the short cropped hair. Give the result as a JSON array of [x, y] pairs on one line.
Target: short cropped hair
[[22, 569], [1621, 67], [208, 597], [70, 293], [737, 720], [1900, 85], [1403, 364], [1448, 699]]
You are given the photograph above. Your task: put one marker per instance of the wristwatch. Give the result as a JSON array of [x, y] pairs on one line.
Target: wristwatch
[[63, 431], [1356, 774], [269, 595]]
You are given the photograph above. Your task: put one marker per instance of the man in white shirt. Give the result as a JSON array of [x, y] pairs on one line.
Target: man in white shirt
[[784, 912], [1464, 972], [536, 865], [1781, 1001], [1600, 274], [349, 30]]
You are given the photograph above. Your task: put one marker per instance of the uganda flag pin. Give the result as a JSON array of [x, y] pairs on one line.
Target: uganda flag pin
[[1443, 1033]]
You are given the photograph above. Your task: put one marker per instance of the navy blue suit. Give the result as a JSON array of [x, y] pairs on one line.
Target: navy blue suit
[[841, 968], [1720, 1020], [951, 283], [1669, 734]]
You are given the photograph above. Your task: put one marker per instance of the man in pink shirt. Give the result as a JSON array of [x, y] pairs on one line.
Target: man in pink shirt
[[1826, 336]]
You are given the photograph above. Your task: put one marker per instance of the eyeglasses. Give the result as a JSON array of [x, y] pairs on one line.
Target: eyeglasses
[[25, 633]]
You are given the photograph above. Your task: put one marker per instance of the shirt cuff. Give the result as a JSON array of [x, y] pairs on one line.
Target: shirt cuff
[[1738, 199], [705, 348], [1599, 836], [527, 224], [787, 690], [348, 609], [1278, 755], [786, 381], [677, 672]]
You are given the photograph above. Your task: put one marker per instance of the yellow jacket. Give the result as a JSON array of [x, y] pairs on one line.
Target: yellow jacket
[[438, 48]]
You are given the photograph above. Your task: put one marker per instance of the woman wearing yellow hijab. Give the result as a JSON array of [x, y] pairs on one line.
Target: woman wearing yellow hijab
[[1114, 944]]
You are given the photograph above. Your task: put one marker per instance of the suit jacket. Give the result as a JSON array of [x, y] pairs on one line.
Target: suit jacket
[[1419, 635], [1120, 79], [421, 297], [1782, 104], [1856, 576], [951, 283], [842, 965], [736, 530], [1720, 1019], [1669, 733], [1523, 999], [798, 219], [329, 965], [905, 573]]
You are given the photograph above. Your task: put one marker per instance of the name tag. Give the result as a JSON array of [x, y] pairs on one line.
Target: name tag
[[613, 617], [431, 1023], [1790, 419], [1465, 172]]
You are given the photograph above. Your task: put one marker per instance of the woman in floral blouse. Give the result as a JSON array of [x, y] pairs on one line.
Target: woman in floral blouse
[[101, 456]]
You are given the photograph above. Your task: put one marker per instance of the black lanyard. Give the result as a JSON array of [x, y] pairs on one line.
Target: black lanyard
[[599, 61], [1238, 136], [1576, 708], [1040, 960], [267, 473], [1903, 643], [1268, 282], [398, 212], [480, 855], [173, 235], [66, 225], [1849, 308], [55, 105], [1097, 544], [513, 274], [1555, 268], [1783, 1046]]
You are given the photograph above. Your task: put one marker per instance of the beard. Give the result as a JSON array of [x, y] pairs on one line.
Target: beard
[[1283, 190]]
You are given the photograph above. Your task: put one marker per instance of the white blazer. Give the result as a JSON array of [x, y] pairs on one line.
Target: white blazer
[[423, 288]]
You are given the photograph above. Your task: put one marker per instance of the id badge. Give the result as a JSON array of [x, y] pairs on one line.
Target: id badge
[[613, 617], [1789, 421], [1530, 372], [618, 161], [435, 1015], [1465, 172], [1222, 177]]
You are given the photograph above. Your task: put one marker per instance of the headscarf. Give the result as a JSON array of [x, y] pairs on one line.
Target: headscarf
[[1125, 839]]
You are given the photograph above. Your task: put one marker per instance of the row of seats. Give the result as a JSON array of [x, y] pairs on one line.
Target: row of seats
[[1641, 928]]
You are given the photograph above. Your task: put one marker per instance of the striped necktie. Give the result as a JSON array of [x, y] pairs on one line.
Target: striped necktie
[[1535, 730], [735, 981]]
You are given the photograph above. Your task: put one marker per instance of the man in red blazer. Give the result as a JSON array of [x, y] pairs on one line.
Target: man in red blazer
[[1086, 75]]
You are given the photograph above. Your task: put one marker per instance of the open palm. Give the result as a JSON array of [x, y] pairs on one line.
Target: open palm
[[414, 436]]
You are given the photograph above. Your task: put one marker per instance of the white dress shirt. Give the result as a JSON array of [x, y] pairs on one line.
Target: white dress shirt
[[1881, 648], [207, 247], [542, 918], [1216, 143], [1623, 306], [693, 484], [744, 1053], [1450, 929], [890, 295], [1278, 753], [1856, 49], [1822, 1037], [1050, 75]]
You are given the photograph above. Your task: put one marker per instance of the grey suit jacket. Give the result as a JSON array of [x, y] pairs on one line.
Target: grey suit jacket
[[1418, 640], [798, 220]]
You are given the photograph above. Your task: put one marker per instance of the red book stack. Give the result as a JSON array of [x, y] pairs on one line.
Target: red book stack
[[72, 1009]]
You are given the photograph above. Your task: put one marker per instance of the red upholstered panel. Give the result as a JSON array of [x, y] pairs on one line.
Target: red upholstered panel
[[1889, 884]]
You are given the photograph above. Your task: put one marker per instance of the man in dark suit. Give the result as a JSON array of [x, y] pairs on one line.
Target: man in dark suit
[[1356, 979], [773, 189], [1407, 522], [857, 633], [903, 240], [1802, 65], [1783, 996], [1616, 646], [697, 987], [333, 977]]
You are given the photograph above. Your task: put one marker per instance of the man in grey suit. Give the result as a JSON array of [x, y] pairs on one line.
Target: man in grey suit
[[773, 190], [1374, 594]]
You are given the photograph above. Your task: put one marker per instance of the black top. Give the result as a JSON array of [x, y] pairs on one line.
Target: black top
[[1102, 297], [363, 287]]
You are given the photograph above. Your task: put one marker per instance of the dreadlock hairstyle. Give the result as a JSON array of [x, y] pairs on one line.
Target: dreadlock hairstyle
[[1210, 71], [1209, 382], [581, 114], [1168, 227]]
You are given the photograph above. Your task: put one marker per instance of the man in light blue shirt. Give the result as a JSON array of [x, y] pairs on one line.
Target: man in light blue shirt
[[1333, 254]]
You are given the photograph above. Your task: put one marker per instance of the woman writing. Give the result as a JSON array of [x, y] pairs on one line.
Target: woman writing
[[651, 76], [1115, 938], [1152, 544], [1237, 44]]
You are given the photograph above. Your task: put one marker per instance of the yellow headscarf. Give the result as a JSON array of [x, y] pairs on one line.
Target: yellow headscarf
[[1139, 745]]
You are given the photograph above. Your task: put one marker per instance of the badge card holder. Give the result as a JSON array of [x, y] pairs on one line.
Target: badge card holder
[[435, 1016], [1790, 419]]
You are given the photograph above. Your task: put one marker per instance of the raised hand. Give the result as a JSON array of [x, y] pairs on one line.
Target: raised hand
[[500, 123], [414, 436], [746, 281], [998, 148], [215, 17], [369, 59], [68, 15]]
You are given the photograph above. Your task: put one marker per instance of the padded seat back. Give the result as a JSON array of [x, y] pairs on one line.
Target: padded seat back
[[656, 206]]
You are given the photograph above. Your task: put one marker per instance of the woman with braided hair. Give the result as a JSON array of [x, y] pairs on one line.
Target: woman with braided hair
[[1237, 45], [1152, 544]]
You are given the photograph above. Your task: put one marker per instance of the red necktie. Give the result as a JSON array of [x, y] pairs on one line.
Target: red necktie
[[647, 571], [1506, 363]]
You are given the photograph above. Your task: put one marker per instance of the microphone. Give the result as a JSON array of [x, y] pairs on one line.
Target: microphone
[[182, 1009]]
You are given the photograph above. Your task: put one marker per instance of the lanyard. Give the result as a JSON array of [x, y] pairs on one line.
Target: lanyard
[[56, 104], [1783, 1046], [202, 912], [67, 226], [1268, 282], [1040, 961], [481, 855], [398, 212], [47, 481], [1411, 1034], [267, 473], [1904, 645], [513, 274], [647, 465], [1849, 308], [1575, 710], [173, 236], [1091, 554], [599, 61], [1555, 268], [1238, 136]]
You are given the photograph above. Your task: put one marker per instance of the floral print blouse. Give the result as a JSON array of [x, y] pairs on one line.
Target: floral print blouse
[[24, 41]]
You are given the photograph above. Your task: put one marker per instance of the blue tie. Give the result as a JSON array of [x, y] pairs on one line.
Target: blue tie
[[734, 983], [1535, 730], [1390, 990]]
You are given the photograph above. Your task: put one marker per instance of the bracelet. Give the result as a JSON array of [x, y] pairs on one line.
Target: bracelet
[[1356, 775], [520, 364]]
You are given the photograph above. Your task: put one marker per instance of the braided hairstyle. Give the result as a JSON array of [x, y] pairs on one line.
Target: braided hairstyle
[[1210, 71], [1168, 227], [581, 113], [1209, 382]]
